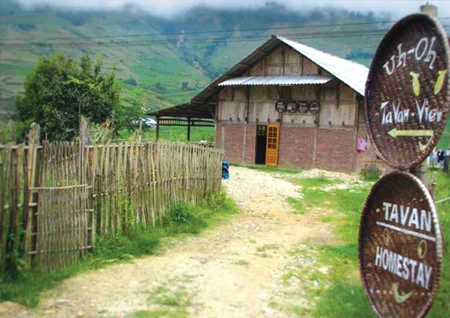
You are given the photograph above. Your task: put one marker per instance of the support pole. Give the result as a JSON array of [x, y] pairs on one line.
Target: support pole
[[157, 127], [421, 172], [189, 129]]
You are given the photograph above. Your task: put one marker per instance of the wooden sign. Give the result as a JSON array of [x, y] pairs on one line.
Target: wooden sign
[[400, 247], [408, 91]]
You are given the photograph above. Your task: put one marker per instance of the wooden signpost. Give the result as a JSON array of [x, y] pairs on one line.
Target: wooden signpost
[[407, 91], [400, 247], [407, 106]]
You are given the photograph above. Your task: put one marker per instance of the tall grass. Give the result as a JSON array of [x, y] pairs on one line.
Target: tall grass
[[181, 219]]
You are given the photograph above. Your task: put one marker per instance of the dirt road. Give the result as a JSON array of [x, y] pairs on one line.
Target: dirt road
[[234, 270]]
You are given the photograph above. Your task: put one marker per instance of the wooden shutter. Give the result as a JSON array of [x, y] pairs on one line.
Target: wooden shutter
[[273, 137]]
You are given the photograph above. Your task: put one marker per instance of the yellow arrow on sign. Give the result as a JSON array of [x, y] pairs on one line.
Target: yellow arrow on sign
[[410, 133]]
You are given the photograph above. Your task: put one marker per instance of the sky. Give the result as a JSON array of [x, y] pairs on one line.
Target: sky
[[170, 8]]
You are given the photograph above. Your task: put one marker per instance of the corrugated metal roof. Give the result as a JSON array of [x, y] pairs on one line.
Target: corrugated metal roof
[[351, 73], [275, 80]]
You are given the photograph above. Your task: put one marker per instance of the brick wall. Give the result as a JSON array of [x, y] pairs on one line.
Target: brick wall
[[296, 147], [233, 140], [251, 144], [336, 149]]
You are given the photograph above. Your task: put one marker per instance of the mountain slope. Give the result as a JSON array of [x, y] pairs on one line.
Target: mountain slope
[[167, 61]]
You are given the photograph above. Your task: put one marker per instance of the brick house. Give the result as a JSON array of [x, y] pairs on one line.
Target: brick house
[[289, 105]]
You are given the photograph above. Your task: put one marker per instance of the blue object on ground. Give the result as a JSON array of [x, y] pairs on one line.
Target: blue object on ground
[[225, 169]]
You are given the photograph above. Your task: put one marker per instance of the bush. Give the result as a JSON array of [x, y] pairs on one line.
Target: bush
[[137, 242], [371, 174]]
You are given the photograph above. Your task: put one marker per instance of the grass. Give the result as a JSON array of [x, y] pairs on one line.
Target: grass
[[441, 305], [173, 134], [242, 262], [344, 295], [273, 169], [168, 300], [182, 219], [338, 291]]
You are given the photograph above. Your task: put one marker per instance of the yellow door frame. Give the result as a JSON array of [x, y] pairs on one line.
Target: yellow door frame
[[273, 143]]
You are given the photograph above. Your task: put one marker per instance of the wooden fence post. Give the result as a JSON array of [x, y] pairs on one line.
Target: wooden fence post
[[98, 196]]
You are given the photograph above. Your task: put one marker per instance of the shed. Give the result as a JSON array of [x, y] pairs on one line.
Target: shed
[[286, 104]]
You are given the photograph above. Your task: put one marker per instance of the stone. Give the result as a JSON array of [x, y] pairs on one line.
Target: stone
[[62, 302]]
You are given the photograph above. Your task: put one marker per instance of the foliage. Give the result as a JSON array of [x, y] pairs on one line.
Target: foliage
[[137, 242], [371, 174], [192, 219], [59, 91]]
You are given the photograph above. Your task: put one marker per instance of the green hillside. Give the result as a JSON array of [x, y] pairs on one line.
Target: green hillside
[[167, 60], [164, 61]]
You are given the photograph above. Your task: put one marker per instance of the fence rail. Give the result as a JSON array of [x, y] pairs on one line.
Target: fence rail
[[56, 198]]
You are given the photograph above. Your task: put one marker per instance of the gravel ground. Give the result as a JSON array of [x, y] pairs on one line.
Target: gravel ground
[[233, 270]]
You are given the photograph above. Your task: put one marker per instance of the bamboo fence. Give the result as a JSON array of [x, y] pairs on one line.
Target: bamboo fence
[[55, 199]]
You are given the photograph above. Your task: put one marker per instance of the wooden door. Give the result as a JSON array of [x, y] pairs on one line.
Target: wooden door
[[273, 137]]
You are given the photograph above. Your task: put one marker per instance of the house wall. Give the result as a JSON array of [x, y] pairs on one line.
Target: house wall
[[296, 147], [325, 140], [336, 149], [237, 141]]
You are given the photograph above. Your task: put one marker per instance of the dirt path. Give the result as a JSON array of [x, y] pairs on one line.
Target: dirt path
[[234, 270]]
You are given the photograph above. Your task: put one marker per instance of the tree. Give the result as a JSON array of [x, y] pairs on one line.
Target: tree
[[59, 91]]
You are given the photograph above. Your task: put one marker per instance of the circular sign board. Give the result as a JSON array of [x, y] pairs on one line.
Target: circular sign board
[[292, 106], [400, 247], [303, 107], [314, 107], [280, 106], [408, 91]]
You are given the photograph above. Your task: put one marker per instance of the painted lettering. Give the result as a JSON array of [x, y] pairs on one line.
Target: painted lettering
[[386, 207], [427, 115], [422, 51], [390, 71], [417, 219], [404, 267], [431, 55], [404, 212], [414, 219], [394, 114], [401, 56]]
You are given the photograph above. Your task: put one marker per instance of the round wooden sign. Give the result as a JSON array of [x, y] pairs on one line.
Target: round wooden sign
[[408, 91], [400, 247]]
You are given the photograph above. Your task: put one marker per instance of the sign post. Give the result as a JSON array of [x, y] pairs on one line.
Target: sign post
[[407, 106], [400, 247], [408, 91]]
